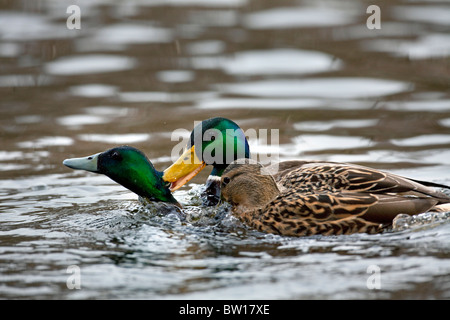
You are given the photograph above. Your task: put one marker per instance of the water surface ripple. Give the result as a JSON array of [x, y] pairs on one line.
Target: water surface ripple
[[138, 70]]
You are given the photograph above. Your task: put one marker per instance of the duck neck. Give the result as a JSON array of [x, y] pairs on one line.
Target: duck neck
[[147, 183], [267, 191], [258, 191], [211, 194]]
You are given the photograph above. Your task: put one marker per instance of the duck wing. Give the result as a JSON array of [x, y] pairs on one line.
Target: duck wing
[[389, 206], [295, 214], [311, 177], [320, 206]]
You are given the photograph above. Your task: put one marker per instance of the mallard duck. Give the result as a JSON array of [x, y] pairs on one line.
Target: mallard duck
[[129, 167], [217, 142], [307, 198]]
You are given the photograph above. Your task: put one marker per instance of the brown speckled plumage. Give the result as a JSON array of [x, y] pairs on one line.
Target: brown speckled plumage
[[306, 198]]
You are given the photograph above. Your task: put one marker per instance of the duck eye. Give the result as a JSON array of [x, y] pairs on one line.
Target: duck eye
[[116, 156], [226, 180], [213, 138]]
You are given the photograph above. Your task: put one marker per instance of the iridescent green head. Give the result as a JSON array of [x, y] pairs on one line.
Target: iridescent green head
[[217, 142], [129, 167]]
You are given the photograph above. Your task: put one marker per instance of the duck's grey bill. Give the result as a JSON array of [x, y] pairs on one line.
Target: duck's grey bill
[[85, 163]]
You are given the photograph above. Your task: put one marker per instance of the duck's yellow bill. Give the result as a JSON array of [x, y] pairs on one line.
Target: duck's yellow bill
[[184, 169]]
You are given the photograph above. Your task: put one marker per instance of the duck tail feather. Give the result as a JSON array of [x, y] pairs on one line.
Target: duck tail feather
[[431, 184]]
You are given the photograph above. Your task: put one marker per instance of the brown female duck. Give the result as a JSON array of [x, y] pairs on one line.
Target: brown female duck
[[307, 198]]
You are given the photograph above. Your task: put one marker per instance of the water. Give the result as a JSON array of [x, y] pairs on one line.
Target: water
[[137, 71]]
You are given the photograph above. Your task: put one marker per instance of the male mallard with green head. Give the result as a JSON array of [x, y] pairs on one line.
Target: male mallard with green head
[[217, 142], [129, 167], [307, 198]]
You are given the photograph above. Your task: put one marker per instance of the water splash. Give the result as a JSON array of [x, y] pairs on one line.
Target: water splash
[[424, 220]]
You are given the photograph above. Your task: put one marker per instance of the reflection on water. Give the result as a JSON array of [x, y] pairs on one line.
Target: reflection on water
[[138, 70], [300, 17], [285, 61], [87, 64], [326, 88], [425, 47]]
